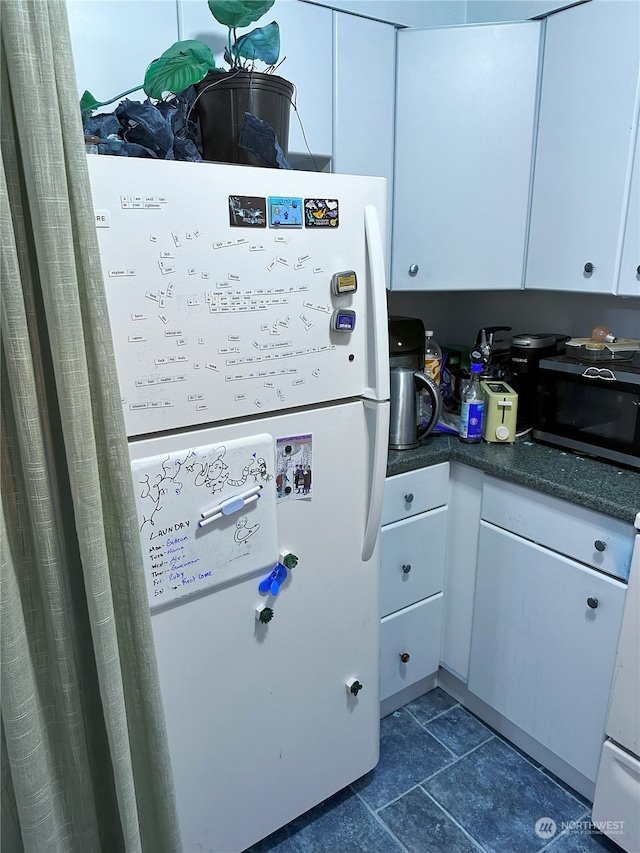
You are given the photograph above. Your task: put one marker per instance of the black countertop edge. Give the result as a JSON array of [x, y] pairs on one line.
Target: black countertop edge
[[587, 482]]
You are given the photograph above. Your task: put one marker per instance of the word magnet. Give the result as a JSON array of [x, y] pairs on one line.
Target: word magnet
[[343, 283], [343, 320]]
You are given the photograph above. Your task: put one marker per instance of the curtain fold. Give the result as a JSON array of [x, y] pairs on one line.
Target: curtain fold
[[86, 759]]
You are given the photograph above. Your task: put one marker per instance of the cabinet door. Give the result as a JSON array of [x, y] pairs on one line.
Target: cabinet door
[[589, 80], [465, 113], [629, 279], [364, 96], [306, 42], [540, 654]]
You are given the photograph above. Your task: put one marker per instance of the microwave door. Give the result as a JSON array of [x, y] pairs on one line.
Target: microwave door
[[582, 410]]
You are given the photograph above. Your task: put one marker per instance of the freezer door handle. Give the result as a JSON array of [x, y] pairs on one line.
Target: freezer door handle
[[378, 355], [377, 420]]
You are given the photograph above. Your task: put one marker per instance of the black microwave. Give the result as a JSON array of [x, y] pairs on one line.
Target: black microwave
[[590, 408]]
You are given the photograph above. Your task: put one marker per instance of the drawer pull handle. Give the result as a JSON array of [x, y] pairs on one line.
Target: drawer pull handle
[[600, 545], [592, 602], [406, 568], [409, 498], [405, 657]]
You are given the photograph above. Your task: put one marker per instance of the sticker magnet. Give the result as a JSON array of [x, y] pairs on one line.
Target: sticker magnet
[[247, 211], [321, 213], [285, 212]]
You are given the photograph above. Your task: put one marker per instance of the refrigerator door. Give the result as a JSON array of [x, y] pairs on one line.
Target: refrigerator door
[[265, 718], [236, 291]]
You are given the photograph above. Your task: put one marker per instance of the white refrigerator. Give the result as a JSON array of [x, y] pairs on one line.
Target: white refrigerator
[[248, 313]]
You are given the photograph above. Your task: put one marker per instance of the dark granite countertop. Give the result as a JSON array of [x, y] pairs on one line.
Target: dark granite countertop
[[597, 485]]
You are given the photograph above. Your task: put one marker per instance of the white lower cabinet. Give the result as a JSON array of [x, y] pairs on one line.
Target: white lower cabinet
[[410, 645], [543, 646], [413, 552]]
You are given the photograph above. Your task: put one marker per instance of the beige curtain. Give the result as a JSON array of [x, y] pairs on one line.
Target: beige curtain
[[85, 764]]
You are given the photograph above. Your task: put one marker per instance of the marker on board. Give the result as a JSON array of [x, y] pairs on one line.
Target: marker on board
[[229, 507]]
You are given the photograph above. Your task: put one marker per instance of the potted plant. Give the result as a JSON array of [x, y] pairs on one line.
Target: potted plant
[[224, 97]]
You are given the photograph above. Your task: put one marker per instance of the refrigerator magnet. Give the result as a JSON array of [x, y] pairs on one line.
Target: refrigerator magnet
[[321, 213], [247, 211], [294, 464], [284, 212]]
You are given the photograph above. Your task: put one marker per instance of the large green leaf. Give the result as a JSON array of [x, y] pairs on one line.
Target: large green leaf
[[183, 64], [88, 102], [239, 13], [262, 43]]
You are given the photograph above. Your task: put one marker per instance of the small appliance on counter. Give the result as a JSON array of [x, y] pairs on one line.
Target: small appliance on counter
[[589, 408], [500, 411], [493, 355], [525, 355], [406, 342], [407, 381]]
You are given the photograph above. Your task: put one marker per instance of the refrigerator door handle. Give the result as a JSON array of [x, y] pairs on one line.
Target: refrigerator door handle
[[378, 355], [377, 421]]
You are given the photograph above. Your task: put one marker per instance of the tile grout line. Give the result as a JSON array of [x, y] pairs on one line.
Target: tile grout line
[[379, 820], [454, 821], [544, 771], [431, 719], [541, 769]]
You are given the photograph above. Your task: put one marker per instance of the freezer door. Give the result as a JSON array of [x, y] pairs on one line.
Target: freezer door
[[236, 291], [262, 721]]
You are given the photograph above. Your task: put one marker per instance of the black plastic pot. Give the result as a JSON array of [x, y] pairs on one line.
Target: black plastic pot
[[223, 100]]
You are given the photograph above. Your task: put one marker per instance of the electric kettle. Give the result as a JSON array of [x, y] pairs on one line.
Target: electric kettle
[[404, 431]]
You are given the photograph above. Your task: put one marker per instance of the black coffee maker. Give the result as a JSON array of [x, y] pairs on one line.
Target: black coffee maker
[[406, 342], [524, 357]]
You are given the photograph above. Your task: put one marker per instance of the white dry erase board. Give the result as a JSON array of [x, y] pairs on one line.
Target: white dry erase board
[[207, 516]]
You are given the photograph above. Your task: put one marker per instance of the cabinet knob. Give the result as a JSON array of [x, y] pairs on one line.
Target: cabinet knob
[[600, 545], [589, 268], [409, 498], [592, 602], [413, 270], [638, 270], [405, 657], [406, 568]]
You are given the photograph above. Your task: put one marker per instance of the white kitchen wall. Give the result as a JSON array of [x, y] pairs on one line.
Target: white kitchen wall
[[407, 13], [512, 10], [456, 317]]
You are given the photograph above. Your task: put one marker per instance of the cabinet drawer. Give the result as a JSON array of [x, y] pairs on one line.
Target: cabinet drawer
[[598, 540], [415, 491], [414, 631], [412, 555]]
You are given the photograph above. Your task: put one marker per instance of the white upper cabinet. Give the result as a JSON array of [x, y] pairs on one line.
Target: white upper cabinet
[[589, 82], [629, 278], [465, 118], [306, 40], [365, 54]]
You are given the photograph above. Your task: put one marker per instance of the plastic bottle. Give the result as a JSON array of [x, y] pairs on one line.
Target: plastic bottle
[[472, 409], [432, 357]]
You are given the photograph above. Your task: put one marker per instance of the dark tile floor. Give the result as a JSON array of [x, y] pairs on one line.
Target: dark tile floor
[[445, 783]]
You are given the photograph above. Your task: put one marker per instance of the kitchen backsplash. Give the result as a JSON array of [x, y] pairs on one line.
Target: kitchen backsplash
[[456, 317]]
